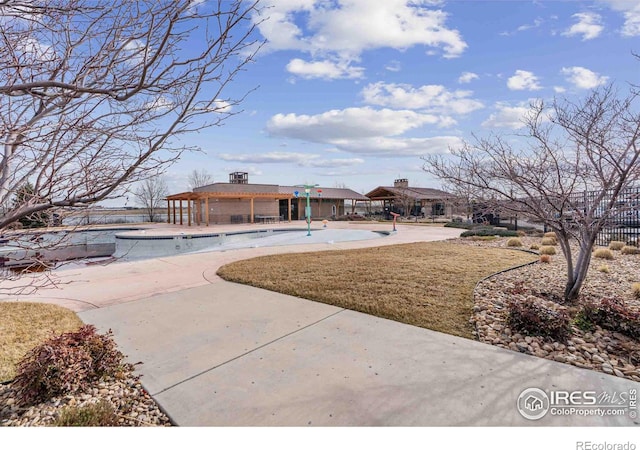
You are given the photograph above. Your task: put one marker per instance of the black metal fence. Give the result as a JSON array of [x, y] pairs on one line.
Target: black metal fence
[[622, 219]]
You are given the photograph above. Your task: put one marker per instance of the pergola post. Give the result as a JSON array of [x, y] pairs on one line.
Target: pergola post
[[168, 212], [173, 202], [206, 210], [189, 212], [180, 212], [251, 209], [289, 209]]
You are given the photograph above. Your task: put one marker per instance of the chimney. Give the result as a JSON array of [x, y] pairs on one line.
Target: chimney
[[401, 183], [239, 178]]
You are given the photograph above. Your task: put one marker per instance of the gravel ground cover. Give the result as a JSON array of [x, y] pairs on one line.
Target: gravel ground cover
[[598, 349]]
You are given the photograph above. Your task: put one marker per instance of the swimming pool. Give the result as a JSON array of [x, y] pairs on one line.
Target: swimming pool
[[151, 244]]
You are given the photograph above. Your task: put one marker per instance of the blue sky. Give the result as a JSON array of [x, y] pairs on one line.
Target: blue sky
[[354, 92]]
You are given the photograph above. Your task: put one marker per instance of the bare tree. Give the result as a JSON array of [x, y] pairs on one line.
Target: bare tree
[[96, 94], [151, 195], [568, 172], [199, 178]]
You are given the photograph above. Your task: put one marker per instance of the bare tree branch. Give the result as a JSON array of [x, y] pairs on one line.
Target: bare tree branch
[[567, 172]]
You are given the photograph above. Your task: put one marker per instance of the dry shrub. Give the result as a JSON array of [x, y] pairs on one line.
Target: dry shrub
[[534, 247], [531, 318], [616, 245], [613, 314], [630, 250], [514, 242], [549, 241], [65, 364], [603, 253], [550, 234], [604, 268], [545, 258], [635, 290], [547, 250]]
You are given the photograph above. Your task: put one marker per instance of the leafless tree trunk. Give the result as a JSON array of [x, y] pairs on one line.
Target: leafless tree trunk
[[96, 94], [151, 195], [199, 178], [567, 172]]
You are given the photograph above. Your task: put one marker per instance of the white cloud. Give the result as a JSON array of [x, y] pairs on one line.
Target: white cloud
[[507, 116], [588, 25], [559, 89], [631, 12], [341, 30], [583, 78], [431, 98], [523, 80], [400, 147], [350, 123], [299, 159], [324, 69], [393, 66], [467, 77]]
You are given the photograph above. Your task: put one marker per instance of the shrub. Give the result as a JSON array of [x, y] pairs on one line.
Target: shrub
[[549, 241], [635, 290], [529, 317], [630, 250], [66, 363], [489, 232], [584, 320], [534, 247], [551, 234], [464, 225], [614, 315], [547, 250], [514, 242], [616, 245], [100, 414], [604, 268], [545, 258], [603, 253]]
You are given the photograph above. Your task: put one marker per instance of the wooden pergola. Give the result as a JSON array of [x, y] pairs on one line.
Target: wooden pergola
[[191, 197]]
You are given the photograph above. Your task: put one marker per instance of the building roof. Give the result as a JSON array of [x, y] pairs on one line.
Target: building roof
[[232, 190], [333, 193], [417, 193]]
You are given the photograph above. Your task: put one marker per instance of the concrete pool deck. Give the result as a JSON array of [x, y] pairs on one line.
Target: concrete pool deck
[[221, 354]]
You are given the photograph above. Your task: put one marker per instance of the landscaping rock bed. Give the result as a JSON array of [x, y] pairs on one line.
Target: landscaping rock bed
[[133, 405], [599, 349]]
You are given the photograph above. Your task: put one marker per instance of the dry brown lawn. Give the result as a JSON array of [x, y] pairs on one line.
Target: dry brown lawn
[[427, 284], [24, 325]]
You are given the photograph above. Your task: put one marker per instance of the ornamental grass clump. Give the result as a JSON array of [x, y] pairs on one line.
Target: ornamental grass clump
[[545, 259], [630, 250], [547, 250], [549, 241], [99, 414], [514, 242], [66, 364], [635, 290], [616, 245], [534, 247], [603, 253], [604, 268]]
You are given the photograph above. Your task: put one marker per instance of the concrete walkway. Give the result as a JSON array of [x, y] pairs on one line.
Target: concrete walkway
[[220, 354]]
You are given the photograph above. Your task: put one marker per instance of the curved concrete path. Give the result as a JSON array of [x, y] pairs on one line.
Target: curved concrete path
[[216, 353]]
